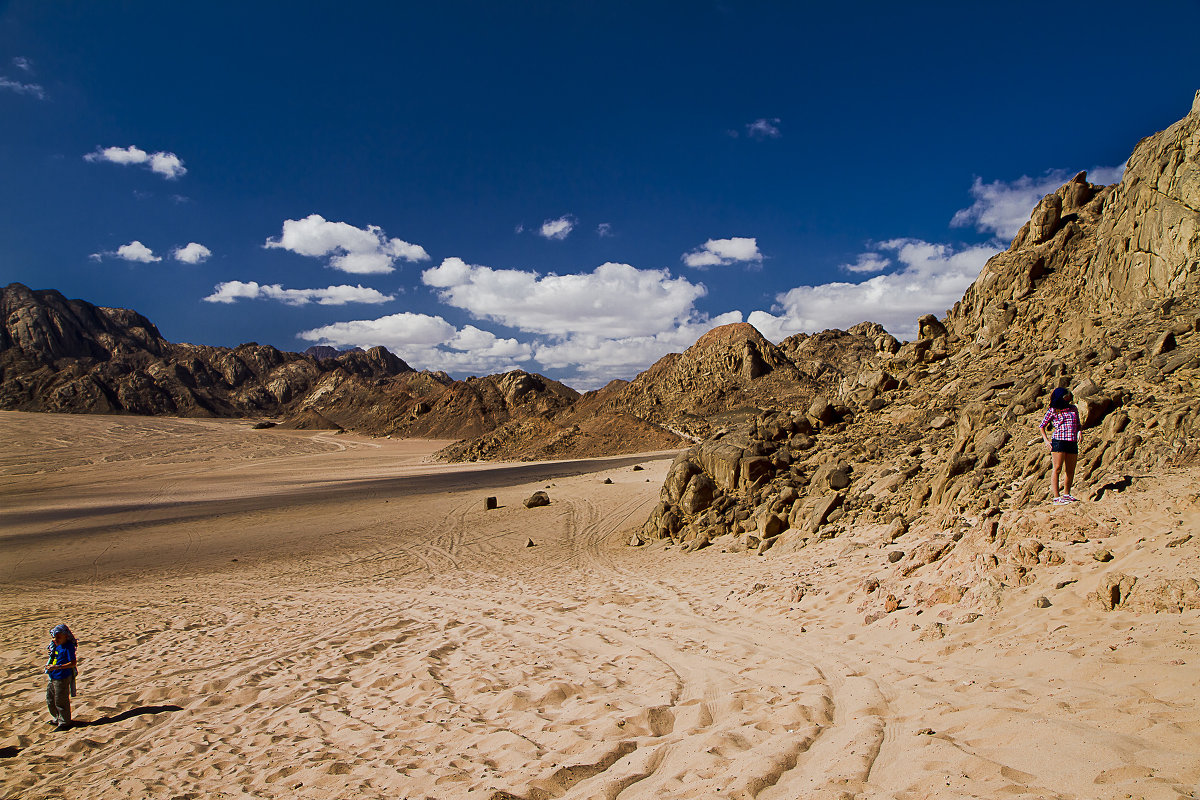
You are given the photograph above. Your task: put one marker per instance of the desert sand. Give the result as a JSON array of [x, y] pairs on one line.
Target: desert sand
[[309, 615]]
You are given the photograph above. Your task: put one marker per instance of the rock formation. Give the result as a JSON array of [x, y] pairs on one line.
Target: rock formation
[[934, 443], [716, 383]]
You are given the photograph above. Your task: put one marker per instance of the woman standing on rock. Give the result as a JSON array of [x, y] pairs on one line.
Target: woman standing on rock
[[1063, 419]]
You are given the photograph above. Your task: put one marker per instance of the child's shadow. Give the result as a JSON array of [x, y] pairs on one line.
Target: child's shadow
[[124, 715]]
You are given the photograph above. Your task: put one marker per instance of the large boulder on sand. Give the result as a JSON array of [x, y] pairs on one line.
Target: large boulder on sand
[[537, 499]]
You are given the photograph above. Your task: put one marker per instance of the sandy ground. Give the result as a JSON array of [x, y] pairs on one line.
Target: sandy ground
[[289, 614]]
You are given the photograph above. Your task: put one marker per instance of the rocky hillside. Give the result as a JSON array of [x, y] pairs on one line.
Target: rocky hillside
[[931, 448], [718, 382], [71, 356]]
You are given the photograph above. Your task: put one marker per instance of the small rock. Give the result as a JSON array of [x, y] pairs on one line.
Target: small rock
[[608, 480], [1179, 541], [839, 479], [530, 543], [1103, 556], [1043, 602], [1064, 584], [891, 604], [537, 499], [924, 732], [490, 503], [638, 467], [971, 617], [1163, 344], [940, 421], [895, 556]]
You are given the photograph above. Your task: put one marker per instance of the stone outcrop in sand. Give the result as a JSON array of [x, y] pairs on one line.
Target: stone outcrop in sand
[[934, 443]]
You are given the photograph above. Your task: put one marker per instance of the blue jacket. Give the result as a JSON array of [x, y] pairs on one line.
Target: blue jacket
[[61, 654]]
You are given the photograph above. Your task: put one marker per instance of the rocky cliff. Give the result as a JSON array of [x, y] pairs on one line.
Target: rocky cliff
[[931, 447]]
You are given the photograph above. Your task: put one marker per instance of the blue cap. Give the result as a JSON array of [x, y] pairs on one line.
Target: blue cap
[[1058, 398]]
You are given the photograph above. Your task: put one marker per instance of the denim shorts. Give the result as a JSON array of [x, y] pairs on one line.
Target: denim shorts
[[1063, 446]]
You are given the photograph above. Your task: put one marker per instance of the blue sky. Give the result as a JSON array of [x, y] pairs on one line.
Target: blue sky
[[574, 189]]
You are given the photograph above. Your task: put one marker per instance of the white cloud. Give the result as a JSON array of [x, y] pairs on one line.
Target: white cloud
[[867, 263], [615, 300], [764, 129], [193, 253], [31, 89], [933, 278], [557, 228], [596, 360], [722, 252], [604, 230], [232, 291], [1002, 207], [136, 251], [23, 64], [168, 165], [360, 251], [426, 342]]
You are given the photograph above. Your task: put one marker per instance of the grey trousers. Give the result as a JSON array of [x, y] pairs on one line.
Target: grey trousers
[[58, 700]]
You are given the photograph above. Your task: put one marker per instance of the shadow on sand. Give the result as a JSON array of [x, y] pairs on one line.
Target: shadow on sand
[[124, 715]]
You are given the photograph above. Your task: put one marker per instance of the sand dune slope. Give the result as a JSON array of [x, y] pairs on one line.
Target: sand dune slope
[[329, 617]]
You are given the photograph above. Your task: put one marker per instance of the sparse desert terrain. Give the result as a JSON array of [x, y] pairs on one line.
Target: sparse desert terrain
[[290, 614]]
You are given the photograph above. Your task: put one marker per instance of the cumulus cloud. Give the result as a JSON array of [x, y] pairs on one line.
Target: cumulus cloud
[[933, 277], [557, 228], [169, 165], [426, 342], [868, 263], [191, 253], [31, 89], [360, 251], [614, 300], [596, 360], [134, 251], [764, 129], [232, 291], [1002, 207], [722, 252]]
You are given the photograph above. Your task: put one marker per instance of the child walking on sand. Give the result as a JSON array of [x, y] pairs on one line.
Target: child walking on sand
[[1063, 419], [60, 669]]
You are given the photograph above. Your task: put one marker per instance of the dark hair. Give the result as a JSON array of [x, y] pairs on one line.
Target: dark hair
[[1058, 398]]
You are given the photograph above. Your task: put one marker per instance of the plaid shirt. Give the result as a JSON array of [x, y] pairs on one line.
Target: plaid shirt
[[1065, 423]]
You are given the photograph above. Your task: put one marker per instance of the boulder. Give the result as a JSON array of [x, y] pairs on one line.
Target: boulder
[[821, 412], [680, 473], [698, 495], [753, 470], [537, 499], [1093, 409], [929, 327], [721, 461]]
